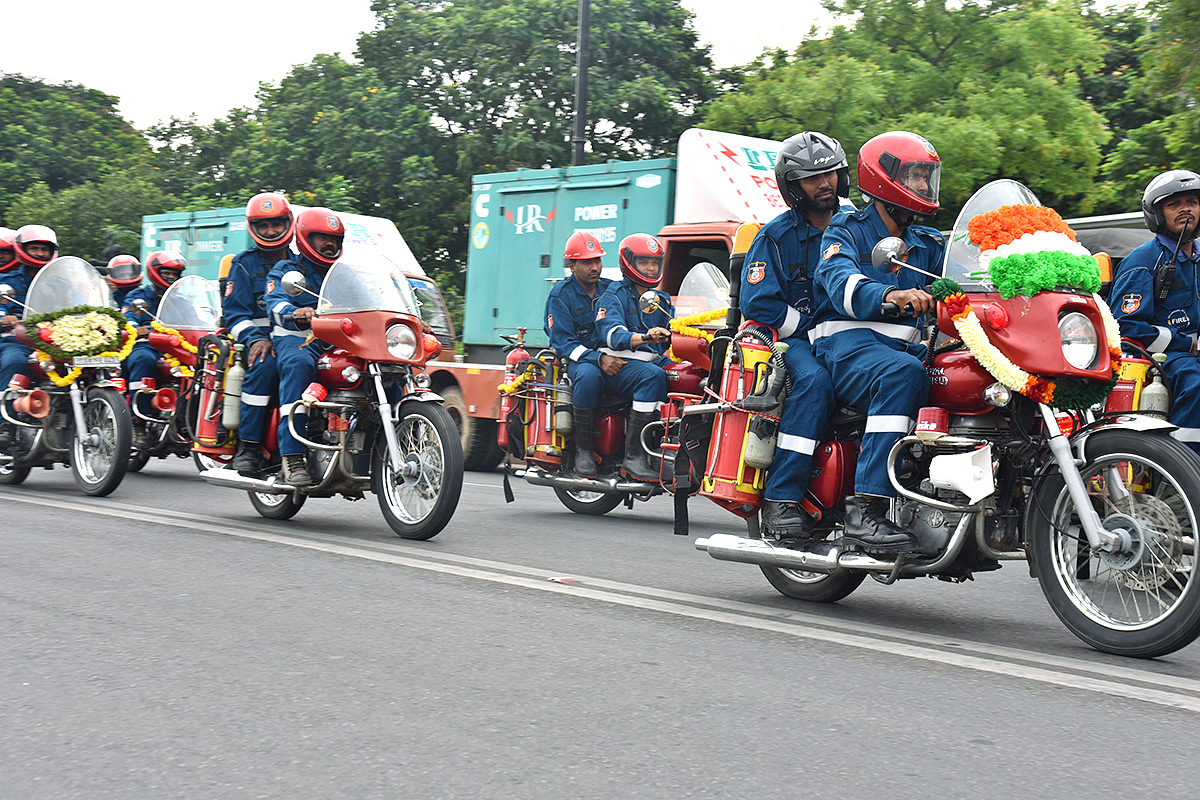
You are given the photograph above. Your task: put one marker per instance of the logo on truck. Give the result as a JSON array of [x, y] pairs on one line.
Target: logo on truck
[[529, 218]]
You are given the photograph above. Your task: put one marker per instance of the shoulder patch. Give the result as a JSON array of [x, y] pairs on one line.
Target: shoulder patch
[[228, 288], [831, 251], [549, 320], [1130, 303], [270, 286], [756, 271], [600, 313]]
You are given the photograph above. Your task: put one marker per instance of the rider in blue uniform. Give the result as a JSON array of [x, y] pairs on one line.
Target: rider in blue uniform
[[32, 247], [571, 326], [123, 274], [319, 236], [640, 338], [1156, 292], [271, 225], [776, 291], [875, 362], [142, 362]]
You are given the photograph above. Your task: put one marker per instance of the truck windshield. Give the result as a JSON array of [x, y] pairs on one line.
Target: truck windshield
[[433, 308]]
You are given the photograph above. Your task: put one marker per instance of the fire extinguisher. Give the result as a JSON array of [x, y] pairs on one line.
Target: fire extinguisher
[[210, 377], [508, 401]]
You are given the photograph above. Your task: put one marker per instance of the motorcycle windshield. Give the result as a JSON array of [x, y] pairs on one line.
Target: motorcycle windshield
[[366, 284], [962, 255], [65, 283], [191, 303], [704, 288]]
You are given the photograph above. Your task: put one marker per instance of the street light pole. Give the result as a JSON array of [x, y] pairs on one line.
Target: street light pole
[[582, 59]]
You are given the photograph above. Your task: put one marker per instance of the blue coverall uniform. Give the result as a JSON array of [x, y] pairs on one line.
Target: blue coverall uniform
[[875, 362], [777, 291], [618, 316], [296, 364], [571, 326], [14, 356], [1170, 327], [245, 309], [142, 361], [120, 293]]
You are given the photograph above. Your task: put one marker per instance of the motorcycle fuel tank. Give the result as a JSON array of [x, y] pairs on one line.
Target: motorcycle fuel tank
[[684, 377], [332, 369], [957, 382]]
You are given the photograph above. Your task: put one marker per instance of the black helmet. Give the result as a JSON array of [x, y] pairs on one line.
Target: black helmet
[[805, 155], [1175, 181]]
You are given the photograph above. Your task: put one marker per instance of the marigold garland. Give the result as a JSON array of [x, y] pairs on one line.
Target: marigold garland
[[1064, 393], [65, 380], [1006, 223], [684, 326], [77, 331]]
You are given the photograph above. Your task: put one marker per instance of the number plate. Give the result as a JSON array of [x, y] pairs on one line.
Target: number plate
[[95, 361]]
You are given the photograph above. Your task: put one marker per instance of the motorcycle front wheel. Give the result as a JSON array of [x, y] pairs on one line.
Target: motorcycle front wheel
[[591, 503], [1143, 602], [419, 499], [100, 452]]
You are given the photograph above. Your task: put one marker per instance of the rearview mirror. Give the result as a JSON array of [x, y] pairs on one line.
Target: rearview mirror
[[889, 254]]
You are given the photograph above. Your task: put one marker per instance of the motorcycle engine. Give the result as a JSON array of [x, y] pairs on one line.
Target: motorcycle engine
[[931, 526]]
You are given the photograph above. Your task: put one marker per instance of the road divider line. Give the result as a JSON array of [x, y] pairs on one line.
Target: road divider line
[[1072, 674]]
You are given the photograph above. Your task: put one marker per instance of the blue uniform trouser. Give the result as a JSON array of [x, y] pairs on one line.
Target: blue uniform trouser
[[1184, 371], [884, 377], [261, 380], [297, 368], [142, 362], [644, 382], [805, 416], [14, 359]]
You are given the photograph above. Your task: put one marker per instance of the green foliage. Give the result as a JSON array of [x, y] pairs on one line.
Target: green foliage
[[60, 135], [89, 216]]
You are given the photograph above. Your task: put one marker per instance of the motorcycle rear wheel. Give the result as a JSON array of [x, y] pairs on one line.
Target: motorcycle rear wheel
[[277, 506], [591, 503], [1145, 603], [815, 587], [420, 505], [137, 460], [11, 476], [99, 467]]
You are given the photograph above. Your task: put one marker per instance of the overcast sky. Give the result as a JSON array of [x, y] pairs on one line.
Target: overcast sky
[[167, 57]]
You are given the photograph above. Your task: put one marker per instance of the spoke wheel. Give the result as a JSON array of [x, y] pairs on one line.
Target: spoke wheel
[[815, 587], [418, 500], [100, 452], [591, 503], [277, 506], [1141, 601]]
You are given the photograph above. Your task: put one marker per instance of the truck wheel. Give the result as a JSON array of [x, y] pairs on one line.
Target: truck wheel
[[478, 435]]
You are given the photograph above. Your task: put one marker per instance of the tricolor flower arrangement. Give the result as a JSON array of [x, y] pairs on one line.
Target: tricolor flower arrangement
[[1028, 249], [79, 331]]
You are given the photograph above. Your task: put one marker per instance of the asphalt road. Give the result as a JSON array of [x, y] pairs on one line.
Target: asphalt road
[[167, 642]]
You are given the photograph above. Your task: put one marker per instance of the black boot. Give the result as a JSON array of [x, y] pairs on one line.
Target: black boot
[[585, 462], [248, 458], [868, 527], [295, 471], [786, 521], [6, 436], [637, 460]]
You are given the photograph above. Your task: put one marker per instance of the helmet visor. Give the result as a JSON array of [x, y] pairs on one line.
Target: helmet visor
[[125, 272], [271, 229], [922, 178]]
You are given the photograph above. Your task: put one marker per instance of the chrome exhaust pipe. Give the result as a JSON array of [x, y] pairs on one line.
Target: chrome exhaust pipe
[[232, 480], [609, 485], [825, 557]]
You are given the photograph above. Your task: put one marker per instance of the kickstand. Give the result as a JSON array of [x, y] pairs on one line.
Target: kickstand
[[894, 575]]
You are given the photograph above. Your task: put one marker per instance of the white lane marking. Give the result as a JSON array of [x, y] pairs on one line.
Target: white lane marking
[[863, 636]]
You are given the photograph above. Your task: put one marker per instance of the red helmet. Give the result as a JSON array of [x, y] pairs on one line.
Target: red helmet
[[901, 169], [7, 260], [318, 220], [582, 245], [644, 250], [160, 260], [270, 206], [30, 234], [124, 271]]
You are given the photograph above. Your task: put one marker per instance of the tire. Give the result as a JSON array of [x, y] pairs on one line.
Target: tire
[[12, 476], [277, 506], [419, 506], [593, 504], [204, 462], [98, 468], [815, 587], [477, 435], [1141, 604], [137, 460]]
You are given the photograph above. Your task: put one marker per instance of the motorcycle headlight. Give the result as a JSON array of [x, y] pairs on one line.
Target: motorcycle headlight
[[401, 341], [1080, 343]]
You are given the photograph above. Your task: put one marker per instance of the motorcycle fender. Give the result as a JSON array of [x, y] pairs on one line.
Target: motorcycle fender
[[424, 395]]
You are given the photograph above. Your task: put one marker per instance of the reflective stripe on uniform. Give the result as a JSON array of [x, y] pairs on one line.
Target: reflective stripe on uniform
[[905, 333], [645, 406], [255, 399], [636, 355], [888, 423], [848, 293], [797, 444], [791, 323], [577, 352], [1161, 341]]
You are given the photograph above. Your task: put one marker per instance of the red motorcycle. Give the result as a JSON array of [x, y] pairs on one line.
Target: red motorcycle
[[1101, 502], [373, 424]]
